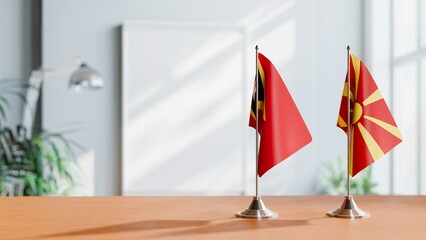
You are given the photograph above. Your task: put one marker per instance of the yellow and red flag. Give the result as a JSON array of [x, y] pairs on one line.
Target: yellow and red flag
[[373, 129], [281, 127]]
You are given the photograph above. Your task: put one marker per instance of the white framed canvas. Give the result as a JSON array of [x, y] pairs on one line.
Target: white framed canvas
[[184, 100]]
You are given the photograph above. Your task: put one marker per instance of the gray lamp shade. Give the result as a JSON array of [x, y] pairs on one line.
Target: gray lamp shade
[[86, 77]]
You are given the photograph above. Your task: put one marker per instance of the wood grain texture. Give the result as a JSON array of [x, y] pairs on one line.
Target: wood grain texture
[[300, 217]]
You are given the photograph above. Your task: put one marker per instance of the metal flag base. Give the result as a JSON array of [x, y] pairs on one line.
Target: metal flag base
[[257, 209], [348, 209]]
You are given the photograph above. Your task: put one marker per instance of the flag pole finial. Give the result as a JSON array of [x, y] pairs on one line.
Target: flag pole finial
[[348, 48]]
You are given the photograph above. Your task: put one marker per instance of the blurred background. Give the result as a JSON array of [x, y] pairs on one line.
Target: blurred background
[[172, 118]]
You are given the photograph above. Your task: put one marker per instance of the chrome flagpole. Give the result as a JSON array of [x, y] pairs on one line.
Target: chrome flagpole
[[257, 121], [348, 209], [257, 208]]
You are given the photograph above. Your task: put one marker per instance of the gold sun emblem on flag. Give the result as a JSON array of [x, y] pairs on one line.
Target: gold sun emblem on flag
[[373, 129]]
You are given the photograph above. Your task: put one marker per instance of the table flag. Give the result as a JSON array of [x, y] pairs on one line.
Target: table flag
[[281, 127], [373, 129]]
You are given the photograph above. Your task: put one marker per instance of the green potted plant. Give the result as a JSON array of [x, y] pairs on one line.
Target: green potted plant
[[41, 164], [333, 181]]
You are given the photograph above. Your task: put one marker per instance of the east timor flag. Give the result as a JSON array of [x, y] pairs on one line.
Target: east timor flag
[[281, 127], [373, 129]]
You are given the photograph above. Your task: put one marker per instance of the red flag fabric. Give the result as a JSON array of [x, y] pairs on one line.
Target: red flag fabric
[[281, 127], [373, 129]]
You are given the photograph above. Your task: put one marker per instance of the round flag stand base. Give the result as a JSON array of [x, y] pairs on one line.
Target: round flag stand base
[[348, 209], [257, 209]]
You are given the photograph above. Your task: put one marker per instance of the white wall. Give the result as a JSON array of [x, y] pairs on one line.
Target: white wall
[[305, 39], [394, 59], [15, 47], [378, 59], [339, 24]]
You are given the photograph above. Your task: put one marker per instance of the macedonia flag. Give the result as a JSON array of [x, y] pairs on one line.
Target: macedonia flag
[[281, 127], [373, 129]]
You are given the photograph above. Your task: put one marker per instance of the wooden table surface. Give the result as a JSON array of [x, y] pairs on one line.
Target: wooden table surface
[[300, 217]]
